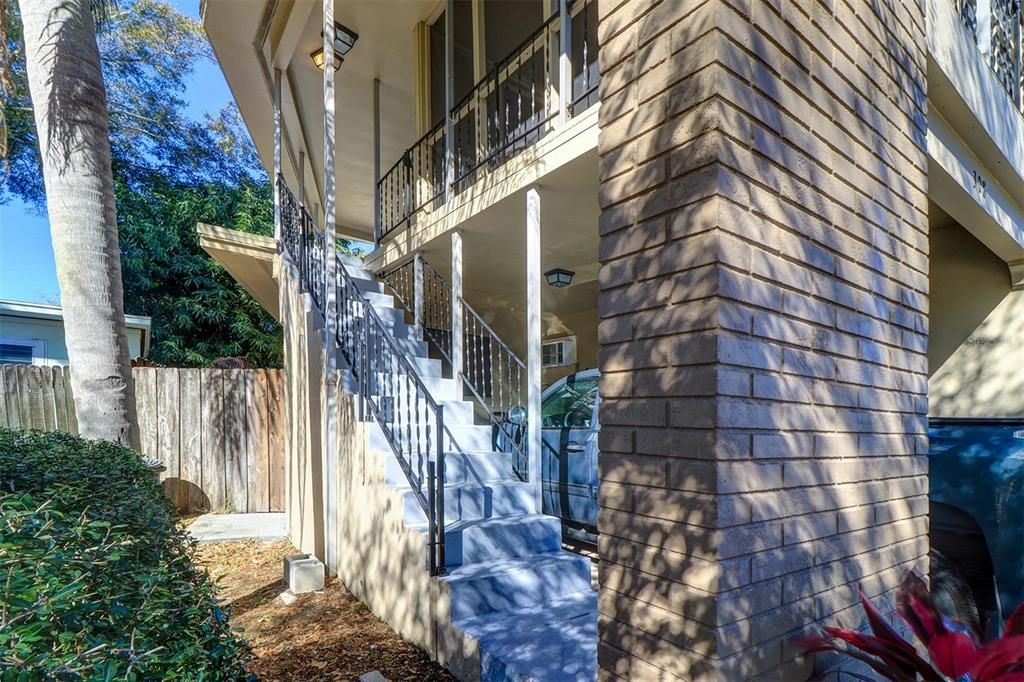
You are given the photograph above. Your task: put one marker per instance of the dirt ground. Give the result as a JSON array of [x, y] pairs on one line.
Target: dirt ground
[[328, 635]]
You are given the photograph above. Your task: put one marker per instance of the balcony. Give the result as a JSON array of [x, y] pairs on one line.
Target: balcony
[[548, 79], [995, 27]]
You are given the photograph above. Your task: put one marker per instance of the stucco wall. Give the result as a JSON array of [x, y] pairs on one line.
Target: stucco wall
[[976, 345], [304, 468]]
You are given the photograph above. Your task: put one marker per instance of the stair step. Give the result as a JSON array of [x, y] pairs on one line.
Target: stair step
[[464, 467], [552, 641], [505, 537], [368, 285], [469, 501], [478, 589]]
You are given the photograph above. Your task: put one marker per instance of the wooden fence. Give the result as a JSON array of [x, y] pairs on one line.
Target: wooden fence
[[219, 433]]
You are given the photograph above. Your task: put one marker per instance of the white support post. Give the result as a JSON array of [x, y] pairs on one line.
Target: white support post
[[457, 334], [302, 177], [278, 226], [449, 98], [533, 342], [417, 294], [376, 163], [330, 360], [564, 61]]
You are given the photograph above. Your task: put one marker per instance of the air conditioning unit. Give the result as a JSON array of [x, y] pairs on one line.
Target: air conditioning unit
[[558, 352]]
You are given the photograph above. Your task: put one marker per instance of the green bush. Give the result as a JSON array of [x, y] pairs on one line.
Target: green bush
[[96, 580]]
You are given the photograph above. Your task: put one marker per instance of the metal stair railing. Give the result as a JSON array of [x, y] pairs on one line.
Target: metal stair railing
[[394, 394], [389, 387], [493, 373]]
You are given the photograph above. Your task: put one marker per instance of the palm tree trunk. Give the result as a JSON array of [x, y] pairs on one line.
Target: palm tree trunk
[[70, 107]]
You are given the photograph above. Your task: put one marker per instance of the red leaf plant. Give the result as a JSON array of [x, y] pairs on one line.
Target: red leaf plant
[[953, 647]]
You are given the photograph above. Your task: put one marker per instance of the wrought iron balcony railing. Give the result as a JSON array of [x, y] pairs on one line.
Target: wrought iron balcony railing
[[512, 107], [997, 34]]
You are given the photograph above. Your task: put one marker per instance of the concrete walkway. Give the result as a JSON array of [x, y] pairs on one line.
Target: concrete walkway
[[228, 527]]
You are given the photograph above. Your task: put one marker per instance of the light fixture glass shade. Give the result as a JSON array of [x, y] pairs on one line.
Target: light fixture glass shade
[[344, 38], [318, 59], [559, 277]]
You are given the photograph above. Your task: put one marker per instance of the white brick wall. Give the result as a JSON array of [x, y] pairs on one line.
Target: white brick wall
[[763, 304]]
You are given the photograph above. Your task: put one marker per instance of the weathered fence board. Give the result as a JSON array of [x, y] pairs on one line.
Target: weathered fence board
[[275, 413], [219, 433], [236, 441], [213, 437]]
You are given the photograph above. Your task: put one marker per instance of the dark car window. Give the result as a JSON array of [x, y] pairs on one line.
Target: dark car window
[[571, 406]]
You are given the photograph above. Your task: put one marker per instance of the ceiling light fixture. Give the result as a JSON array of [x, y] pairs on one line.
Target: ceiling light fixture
[[559, 277], [344, 38], [318, 59]]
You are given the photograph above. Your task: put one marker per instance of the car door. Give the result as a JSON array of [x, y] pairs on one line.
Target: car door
[[569, 444]]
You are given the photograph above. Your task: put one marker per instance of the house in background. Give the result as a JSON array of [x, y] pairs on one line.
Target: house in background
[[33, 334], [787, 233]]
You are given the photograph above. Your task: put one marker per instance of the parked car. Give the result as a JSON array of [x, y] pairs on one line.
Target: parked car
[[976, 497], [976, 475]]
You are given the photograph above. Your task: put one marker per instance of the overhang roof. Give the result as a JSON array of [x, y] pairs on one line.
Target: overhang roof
[[248, 258]]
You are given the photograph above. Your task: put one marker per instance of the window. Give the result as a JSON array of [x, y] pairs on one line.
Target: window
[[463, 58], [558, 353], [22, 351], [571, 405]]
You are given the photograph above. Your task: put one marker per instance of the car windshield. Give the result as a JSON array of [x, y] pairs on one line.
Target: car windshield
[[571, 405]]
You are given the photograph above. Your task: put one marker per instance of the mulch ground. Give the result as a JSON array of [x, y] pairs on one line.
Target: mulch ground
[[328, 635]]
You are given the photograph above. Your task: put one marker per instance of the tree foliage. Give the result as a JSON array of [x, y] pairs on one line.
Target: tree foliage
[[170, 172]]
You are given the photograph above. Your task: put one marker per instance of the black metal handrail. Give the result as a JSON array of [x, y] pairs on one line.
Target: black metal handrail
[[304, 243], [392, 391], [416, 180], [493, 373], [389, 386]]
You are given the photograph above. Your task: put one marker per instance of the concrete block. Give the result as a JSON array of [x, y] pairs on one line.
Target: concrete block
[[372, 676], [303, 573]]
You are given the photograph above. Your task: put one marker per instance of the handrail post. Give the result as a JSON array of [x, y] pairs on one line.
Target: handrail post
[[457, 335], [431, 513], [364, 367], [417, 294], [564, 61], [440, 488]]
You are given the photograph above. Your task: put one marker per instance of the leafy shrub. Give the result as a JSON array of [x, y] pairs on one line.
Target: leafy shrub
[[96, 580], [953, 649]]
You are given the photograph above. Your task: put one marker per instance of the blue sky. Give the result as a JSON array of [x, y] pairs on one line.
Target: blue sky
[[27, 271]]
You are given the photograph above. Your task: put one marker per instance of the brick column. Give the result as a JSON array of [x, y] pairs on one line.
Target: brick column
[[763, 301]]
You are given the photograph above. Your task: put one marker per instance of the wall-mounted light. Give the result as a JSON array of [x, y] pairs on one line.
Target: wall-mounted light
[[318, 59], [344, 38], [559, 277]]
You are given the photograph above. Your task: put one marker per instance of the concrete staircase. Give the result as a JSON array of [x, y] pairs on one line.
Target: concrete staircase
[[526, 604]]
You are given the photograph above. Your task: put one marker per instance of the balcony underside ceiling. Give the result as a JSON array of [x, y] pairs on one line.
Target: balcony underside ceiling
[[494, 253], [251, 37]]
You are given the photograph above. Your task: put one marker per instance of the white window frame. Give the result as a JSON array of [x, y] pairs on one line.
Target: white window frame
[[568, 351], [38, 347]]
